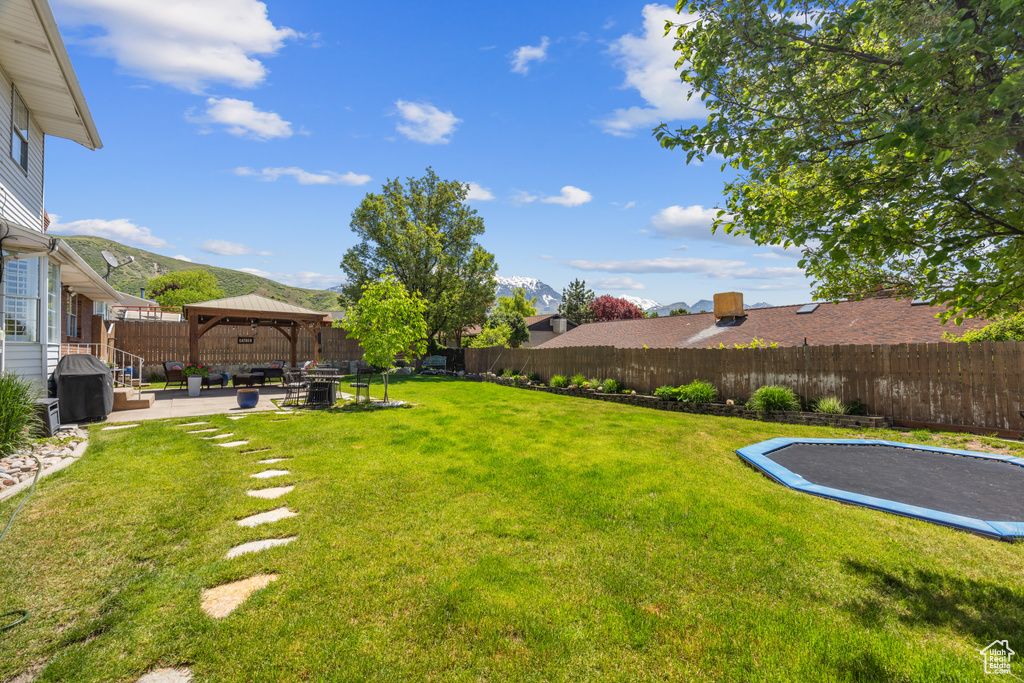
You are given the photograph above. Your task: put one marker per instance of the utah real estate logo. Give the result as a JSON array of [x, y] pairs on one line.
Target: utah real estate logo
[[997, 657]]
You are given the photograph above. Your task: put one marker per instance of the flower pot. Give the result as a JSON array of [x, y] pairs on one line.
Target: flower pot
[[195, 383], [248, 398]]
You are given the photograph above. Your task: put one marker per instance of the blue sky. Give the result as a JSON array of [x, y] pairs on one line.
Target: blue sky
[[243, 135]]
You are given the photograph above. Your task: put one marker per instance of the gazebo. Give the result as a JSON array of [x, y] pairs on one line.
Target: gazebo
[[253, 310]]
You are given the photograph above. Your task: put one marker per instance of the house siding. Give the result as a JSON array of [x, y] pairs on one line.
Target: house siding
[[21, 193]]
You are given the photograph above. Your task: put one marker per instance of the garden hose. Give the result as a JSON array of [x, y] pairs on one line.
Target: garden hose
[[23, 613]]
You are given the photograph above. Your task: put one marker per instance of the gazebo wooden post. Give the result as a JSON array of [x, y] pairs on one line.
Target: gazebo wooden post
[[193, 338], [293, 339]]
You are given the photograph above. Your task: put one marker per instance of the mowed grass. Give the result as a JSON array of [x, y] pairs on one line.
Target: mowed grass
[[489, 533]]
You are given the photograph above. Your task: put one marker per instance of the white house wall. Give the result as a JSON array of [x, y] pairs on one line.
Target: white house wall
[[21, 194]]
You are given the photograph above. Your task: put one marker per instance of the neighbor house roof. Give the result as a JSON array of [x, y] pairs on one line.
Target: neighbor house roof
[[32, 54], [877, 320], [533, 322], [255, 305]]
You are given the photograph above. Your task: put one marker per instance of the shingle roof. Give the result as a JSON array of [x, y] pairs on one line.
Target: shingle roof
[[255, 304], [531, 320], [870, 321]]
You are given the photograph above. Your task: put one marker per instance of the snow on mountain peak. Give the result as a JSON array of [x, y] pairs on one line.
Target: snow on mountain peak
[[642, 304]]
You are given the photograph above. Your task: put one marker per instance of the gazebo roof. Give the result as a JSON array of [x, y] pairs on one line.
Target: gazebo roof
[[253, 305]]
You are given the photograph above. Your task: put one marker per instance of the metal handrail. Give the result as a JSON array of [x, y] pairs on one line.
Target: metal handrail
[[120, 362]]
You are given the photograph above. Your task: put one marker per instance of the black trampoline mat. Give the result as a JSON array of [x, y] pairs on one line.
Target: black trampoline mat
[[984, 489]]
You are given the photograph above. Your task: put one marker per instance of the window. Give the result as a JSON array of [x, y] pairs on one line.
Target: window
[[19, 131], [73, 316], [53, 305], [21, 302]]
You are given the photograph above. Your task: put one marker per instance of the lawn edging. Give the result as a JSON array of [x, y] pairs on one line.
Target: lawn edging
[[717, 409]]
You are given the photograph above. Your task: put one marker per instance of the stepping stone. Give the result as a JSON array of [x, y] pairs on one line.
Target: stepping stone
[[255, 450], [267, 517], [221, 601], [219, 436], [107, 429], [203, 431], [275, 492], [256, 546], [269, 474], [283, 412], [232, 444], [193, 424], [271, 461], [237, 417], [175, 675]]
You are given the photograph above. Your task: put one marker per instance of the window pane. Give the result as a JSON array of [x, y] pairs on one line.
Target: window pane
[[20, 115], [53, 305], [19, 131], [22, 277], [21, 319]]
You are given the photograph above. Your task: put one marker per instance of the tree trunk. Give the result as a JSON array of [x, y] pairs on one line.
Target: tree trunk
[[385, 374]]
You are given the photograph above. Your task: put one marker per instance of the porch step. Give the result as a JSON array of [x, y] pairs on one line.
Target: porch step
[[124, 399]]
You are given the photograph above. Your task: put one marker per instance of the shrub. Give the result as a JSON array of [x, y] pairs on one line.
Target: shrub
[[533, 376], [559, 381], [17, 412], [830, 405], [698, 391], [510, 373], [578, 379], [611, 386], [667, 393], [500, 372], [773, 397]]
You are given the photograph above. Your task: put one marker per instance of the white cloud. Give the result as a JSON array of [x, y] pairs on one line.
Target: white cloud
[[479, 193], [522, 56], [225, 248], [302, 278], [187, 44], [182, 257], [759, 273], [649, 62], [118, 229], [570, 196], [520, 197], [305, 177], [659, 265], [243, 119], [423, 122], [619, 284]]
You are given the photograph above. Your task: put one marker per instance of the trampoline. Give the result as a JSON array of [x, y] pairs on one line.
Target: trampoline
[[978, 492]]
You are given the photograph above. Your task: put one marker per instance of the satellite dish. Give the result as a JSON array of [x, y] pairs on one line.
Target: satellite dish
[[112, 262]]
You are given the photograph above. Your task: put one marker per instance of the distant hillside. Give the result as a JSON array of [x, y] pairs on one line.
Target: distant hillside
[[132, 277]]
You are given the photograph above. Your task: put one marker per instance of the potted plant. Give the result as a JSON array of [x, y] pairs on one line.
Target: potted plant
[[194, 374]]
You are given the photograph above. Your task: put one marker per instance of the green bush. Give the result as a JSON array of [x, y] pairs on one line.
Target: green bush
[[500, 372], [578, 379], [510, 373], [17, 412], [667, 393], [533, 376], [830, 405], [773, 397], [559, 381], [611, 386], [698, 391]]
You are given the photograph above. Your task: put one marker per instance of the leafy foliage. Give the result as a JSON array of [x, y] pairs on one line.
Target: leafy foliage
[[387, 320], [184, 287], [518, 333], [679, 311], [517, 303], [576, 301], [1008, 329], [424, 233], [578, 379], [754, 343], [830, 405], [510, 373], [698, 391], [611, 386], [606, 307], [559, 381], [884, 139], [492, 335], [667, 393], [774, 397], [17, 412], [533, 376]]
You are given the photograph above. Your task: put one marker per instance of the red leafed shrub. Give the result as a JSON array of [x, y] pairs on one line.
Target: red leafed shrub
[[609, 308]]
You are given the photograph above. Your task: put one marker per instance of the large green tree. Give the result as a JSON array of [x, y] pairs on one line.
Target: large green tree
[[425, 234], [884, 139], [387, 320], [576, 300], [184, 287], [517, 303]]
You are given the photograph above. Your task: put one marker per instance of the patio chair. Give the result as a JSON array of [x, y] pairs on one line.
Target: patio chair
[[218, 379], [272, 371], [296, 388], [173, 369], [363, 378]]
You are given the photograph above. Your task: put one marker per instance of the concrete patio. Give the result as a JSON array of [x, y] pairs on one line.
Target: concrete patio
[[212, 401]]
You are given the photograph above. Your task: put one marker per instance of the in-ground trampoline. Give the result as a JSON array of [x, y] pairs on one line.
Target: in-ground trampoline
[[967, 490]]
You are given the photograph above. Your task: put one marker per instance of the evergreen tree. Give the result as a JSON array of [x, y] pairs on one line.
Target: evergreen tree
[[576, 300]]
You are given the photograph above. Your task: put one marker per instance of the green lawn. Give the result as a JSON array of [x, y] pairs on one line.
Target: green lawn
[[496, 534]]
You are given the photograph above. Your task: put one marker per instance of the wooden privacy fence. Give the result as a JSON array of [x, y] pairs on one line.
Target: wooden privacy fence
[[157, 342], [978, 385]]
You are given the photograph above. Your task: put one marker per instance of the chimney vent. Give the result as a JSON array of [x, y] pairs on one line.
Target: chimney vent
[[558, 325], [729, 305]]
